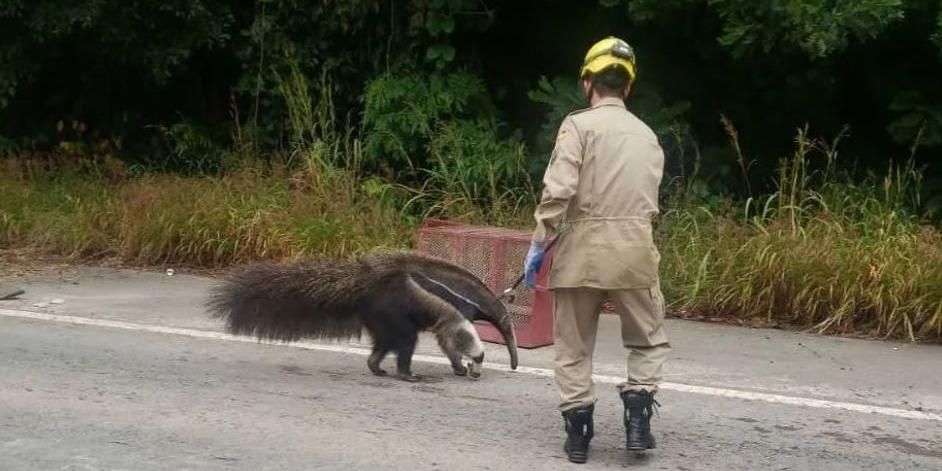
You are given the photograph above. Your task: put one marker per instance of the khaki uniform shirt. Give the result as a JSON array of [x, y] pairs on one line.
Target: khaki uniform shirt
[[602, 184]]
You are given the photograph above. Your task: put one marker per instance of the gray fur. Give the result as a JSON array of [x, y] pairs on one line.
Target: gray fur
[[393, 295]]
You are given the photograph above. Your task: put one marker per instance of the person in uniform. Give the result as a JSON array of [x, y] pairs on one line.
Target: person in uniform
[[599, 198]]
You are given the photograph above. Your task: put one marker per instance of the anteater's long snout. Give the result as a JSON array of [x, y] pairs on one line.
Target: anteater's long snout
[[506, 328]]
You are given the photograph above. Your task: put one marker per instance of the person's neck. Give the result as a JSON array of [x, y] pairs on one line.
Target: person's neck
[[596, 98]]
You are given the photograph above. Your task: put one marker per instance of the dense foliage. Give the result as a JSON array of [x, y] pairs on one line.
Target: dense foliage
[[163, 82]]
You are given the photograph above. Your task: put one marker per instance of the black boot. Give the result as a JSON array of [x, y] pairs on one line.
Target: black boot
[[578, 433], [638, 409]]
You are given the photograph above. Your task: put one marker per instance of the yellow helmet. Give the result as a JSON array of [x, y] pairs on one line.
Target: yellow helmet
[[609, 52]]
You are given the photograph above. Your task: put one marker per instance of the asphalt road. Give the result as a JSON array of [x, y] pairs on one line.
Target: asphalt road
[[105, 369], [85, 397]]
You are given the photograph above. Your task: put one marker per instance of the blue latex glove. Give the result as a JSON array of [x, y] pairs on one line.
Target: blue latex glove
[[533, 262]]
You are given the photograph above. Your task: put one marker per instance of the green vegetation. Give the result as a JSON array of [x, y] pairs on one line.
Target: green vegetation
[[820, 252], [208, 222], [211, 132]]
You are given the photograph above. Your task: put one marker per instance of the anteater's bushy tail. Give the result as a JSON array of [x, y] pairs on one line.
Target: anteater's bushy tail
[[315, 299]]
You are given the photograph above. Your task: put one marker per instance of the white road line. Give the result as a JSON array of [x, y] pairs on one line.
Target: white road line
[[706, 390]]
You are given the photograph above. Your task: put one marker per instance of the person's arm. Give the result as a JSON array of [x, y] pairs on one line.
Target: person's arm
[[560, 181]]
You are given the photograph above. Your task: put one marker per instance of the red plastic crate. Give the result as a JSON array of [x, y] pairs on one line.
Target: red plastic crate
[[496, 255]]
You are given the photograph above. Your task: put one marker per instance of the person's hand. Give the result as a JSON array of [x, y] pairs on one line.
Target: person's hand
[[533, 262]]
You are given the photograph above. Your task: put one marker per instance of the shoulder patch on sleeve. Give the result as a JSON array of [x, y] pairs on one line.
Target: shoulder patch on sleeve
[[568, 125], [563, 132]]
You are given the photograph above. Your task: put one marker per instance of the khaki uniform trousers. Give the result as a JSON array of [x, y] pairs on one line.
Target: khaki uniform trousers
[[576, 320]]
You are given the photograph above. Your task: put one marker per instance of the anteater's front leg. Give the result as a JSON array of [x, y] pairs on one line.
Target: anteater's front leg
[[454, 356]]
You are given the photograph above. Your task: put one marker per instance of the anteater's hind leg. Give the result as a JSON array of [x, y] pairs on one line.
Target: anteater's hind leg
[[404, 351], [379, 352]]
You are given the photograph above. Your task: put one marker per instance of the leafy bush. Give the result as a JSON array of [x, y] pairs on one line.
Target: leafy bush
[[403, 112], [433, 134]]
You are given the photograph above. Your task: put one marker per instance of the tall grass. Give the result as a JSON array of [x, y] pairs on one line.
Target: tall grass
[[475, 178], [248, 214], [820, 252]]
